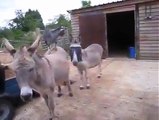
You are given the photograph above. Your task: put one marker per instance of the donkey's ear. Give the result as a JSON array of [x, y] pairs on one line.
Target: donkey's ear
[[35, 45], [79, 38], [70, 37], [4, 66], [8, 46]]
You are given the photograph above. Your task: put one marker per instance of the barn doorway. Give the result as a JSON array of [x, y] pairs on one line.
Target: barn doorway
[[120, 33]]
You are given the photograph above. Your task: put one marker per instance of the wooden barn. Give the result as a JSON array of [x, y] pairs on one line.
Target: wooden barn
[[117, 26]]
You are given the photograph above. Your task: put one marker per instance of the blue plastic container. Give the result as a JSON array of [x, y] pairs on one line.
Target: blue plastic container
[[132, 53]]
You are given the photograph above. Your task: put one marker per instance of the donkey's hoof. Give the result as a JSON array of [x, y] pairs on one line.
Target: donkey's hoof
[[64, 83], [81, 87], [55, 117], [70, 94], [99, 76], [88, 86], [59, 94]]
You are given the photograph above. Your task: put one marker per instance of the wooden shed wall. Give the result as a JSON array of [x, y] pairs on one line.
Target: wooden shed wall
[[148, 31], [75, 25]]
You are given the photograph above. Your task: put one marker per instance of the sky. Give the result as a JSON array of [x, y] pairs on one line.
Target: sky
[[47, 8]]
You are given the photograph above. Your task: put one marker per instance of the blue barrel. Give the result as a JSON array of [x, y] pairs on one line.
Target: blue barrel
[[132, 53]]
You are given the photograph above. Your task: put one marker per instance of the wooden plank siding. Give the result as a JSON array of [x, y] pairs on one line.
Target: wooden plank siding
[[119, 9], [75, 25], [149, 31]]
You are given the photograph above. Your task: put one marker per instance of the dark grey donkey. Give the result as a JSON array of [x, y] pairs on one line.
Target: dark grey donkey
[[50, 36]]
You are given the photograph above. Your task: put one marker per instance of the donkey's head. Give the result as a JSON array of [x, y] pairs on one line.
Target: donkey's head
[[75, 50], [50, 36], [23, 65]]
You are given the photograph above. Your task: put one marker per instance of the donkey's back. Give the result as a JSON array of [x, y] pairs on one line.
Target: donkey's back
[[59, 52], [58, 59], [92, 54]]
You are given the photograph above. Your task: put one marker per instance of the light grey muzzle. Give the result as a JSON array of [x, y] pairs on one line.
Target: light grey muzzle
[[26, 93]]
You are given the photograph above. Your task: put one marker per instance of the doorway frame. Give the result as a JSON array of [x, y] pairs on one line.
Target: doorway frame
[[136, 31]]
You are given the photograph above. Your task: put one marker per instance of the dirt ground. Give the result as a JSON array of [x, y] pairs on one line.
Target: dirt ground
[[128, 90]]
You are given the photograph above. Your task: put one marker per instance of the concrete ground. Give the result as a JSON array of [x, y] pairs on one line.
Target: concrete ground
[[128, 90]]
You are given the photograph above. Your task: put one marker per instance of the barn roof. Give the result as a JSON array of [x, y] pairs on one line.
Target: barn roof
[[108, 5]]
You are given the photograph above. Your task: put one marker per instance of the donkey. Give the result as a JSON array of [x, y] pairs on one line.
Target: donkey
[[85, 59], [40, 73]]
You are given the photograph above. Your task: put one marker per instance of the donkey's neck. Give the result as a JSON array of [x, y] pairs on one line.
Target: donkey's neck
[[37, 59], [55, 35], [44, 72]]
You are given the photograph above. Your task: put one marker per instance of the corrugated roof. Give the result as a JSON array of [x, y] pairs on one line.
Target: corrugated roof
[[98, 5], [109, 4], [103, 4]]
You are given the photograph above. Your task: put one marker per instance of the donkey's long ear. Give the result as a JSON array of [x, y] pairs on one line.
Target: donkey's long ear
[[35, 45], [8, 46], [79, 38], [70, 38], [4, 66]]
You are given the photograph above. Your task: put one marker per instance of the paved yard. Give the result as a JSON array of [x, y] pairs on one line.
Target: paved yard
[[128, 90]]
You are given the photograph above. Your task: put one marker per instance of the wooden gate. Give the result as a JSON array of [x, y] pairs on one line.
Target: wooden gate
[[92, 28]]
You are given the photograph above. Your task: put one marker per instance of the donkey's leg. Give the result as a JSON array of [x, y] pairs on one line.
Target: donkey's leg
[[87, 80], [46, 98], [81, 77], [69, 88], [99, 70], [54, 46], [51, 105], [59, 91]]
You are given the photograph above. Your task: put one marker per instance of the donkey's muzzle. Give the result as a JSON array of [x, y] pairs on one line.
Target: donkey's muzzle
[[78, 53], [62, 32], [26, 97], [75, 63]]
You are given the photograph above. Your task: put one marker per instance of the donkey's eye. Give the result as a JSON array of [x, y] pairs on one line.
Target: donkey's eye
[[31, 69]]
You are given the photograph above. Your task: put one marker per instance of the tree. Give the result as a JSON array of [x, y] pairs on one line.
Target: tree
[[60, 20], [86, 3], [22, 26], [28, 21], [32, 21], [18, 21]]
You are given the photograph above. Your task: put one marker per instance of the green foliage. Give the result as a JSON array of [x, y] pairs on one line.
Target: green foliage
[[7, 33], [32, 21], [22, 26], [17, 22], [86, 3], [17, 34], [28, 21], [60, 20]]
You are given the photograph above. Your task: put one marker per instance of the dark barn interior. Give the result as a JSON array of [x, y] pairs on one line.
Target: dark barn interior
[[120, 33]]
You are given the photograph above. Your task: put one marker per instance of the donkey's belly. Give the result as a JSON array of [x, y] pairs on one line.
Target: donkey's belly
[[61, 72], [92, 62], [92, 65], [61, 67]]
